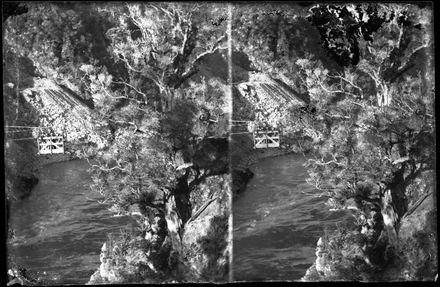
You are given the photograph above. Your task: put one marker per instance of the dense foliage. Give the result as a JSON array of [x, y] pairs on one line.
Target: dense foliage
[[370, 119], [274, 36], [375, 119], [153, 128], [366, 70], [135, 62]]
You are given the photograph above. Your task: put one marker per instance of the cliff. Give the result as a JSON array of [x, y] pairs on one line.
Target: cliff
[[63, 111], [269, 98], [194, 252]]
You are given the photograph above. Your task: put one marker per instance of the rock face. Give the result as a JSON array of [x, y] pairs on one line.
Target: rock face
[[61, 110], [318, 269], [196, 251], [105, 273], [127, 267], [205, 237], [269, 97], [21, 169], [240, 178], [418, 246]]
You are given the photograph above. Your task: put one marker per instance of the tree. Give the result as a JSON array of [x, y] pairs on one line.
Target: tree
[[59, 38], [347, 33], [375, 142], [164, 42], [136, 63], [274, 36], [150, 118]]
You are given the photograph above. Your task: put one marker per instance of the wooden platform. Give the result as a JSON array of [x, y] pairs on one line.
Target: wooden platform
[[266, 139], [50, 145]]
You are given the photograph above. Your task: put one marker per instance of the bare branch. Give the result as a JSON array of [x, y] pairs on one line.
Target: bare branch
[[154, 7], [168, 13], [417, 204], [362, 105], [400, 160], [350, 82], [215, 47], [329, 162], [194, 68], [108, 94], [337, 91], [131, 86], [129, 66], [185, 39], [402, 102], [109, 169], [402, 66], [125, 122]]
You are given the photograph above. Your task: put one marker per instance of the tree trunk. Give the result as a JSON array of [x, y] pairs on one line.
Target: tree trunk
[[398, 194], [392, 207], [182, 198], [171, 97], [383, 95], [163, 103], [167, 99]]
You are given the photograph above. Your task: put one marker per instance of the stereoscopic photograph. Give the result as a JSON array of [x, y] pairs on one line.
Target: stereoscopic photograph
[[219, 142]]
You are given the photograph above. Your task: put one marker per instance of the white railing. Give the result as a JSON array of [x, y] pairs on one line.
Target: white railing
[[249, 126], [266, 139], [50, 145]]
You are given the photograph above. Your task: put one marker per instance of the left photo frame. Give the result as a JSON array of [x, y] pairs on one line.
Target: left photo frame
[[116, 121]]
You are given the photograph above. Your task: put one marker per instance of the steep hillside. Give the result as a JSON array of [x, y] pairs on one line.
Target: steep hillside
[[270, 98], [63, 111]]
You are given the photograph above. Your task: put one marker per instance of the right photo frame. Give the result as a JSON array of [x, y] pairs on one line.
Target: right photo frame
[[332, 142]]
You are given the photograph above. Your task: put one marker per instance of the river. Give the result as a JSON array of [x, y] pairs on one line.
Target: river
[[61, 227], [278, 221]]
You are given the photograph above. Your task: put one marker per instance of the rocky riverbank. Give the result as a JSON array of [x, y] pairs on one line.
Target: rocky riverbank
[[23, 168], [241, 174], [198, 254], [243, 155]]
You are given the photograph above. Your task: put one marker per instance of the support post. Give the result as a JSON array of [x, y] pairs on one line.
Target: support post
[[265, 136], [267, 141]]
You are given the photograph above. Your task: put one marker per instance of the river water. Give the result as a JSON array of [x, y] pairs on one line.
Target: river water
[[61, 227], [278, 221]]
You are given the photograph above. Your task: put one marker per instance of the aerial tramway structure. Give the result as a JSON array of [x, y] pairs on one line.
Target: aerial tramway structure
[[262, 138], [266, 138], [47, 141]]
